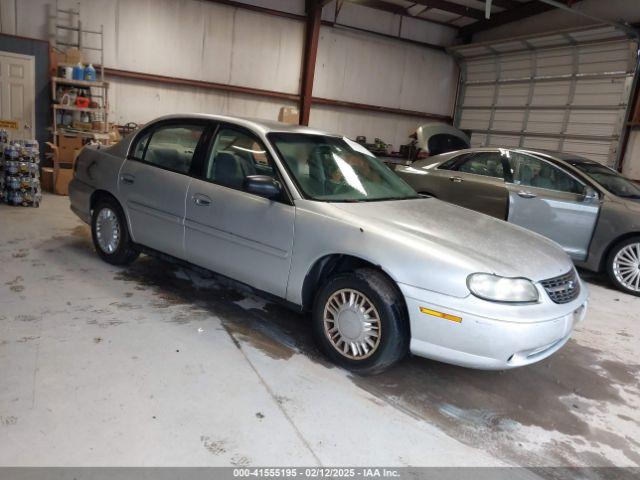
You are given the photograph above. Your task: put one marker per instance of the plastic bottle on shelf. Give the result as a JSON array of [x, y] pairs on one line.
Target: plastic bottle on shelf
[[90, 73], [78, 72]]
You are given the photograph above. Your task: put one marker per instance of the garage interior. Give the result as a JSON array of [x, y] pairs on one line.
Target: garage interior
[[159, 364]]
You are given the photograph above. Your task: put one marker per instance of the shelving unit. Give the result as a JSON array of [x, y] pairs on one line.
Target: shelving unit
[[99, 89], [101, 111]]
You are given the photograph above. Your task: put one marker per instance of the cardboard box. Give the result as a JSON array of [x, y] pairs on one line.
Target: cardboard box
[[114, 134], [63, 175], [68, 147], [70, 142], [289, 115], [46, 179], [73, 56]]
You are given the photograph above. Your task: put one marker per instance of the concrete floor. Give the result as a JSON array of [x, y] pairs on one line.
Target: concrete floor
[[159, 365]]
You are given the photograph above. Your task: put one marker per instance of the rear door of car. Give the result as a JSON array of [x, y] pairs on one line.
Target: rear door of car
[[154, 179], [551, 201], [234, 232], [476, 181]]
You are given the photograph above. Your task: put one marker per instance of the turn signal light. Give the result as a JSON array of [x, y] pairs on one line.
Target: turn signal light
[[446, 316]]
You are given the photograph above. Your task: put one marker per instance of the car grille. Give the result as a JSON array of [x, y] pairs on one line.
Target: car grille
[[564, 288]]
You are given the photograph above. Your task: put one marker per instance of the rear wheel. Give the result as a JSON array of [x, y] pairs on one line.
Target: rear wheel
[[623, 265], [110, 234], [359, 321]]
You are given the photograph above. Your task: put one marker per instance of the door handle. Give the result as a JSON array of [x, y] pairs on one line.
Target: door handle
[[127, 178], [456, 179], [525, 194], [201, 200]]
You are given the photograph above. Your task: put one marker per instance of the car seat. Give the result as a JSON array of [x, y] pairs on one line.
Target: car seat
[[230, 170], [544, 178], [526, 175], [165, 157], [319, 168]]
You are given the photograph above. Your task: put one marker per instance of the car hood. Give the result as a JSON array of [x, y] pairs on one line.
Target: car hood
[[478, 241]]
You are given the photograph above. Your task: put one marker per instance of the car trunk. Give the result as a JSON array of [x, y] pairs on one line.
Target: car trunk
[[436, 138]]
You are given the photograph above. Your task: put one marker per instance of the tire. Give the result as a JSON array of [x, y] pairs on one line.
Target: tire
[[106, 216], [620, 265], [372, 355]]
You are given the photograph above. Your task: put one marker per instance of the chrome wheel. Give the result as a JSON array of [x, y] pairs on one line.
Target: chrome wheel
[[626, 267], [108, 230], [352, 324]]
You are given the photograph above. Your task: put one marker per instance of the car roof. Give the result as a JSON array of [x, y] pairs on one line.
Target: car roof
[[564, 156], [261, 125]]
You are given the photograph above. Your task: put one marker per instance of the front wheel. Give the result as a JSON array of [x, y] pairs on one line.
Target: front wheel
[[623, 265], [359, 321], [110, 234]]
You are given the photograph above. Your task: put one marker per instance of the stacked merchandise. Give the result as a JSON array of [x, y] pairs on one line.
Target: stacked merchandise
[[19, 171]]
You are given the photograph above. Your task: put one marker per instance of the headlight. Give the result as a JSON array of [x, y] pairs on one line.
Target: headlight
[[501, 289]]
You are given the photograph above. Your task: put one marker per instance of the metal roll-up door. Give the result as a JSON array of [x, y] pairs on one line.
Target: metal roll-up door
[[565, 91]]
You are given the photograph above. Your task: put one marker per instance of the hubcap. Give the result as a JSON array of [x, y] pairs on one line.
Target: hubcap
[[107, 230], [626, 267], [352, 324]]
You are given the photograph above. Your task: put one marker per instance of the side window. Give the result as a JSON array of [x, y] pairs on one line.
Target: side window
[[234, 155], [141, 144], [172, 146], [488, 164], [530, 171], [451, 163]]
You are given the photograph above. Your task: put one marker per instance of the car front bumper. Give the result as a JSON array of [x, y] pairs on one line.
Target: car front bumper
[[488, 335]]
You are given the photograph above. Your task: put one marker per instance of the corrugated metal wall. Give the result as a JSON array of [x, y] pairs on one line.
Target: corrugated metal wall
[[202, 40], [566, 91]]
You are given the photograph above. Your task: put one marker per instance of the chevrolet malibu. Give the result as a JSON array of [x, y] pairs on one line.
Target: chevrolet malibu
[[317, 221]]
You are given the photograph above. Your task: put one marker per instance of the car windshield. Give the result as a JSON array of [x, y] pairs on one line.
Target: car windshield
[[335, 169], [610, 179]]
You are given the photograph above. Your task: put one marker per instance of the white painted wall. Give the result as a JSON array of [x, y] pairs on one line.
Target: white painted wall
[[202, 40]]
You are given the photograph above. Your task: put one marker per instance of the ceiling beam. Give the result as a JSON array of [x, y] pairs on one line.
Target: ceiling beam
[[525, 10], [397, 10], [451, 7], [506, 3]]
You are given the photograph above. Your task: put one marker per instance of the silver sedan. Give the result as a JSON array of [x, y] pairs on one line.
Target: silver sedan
[[318, 222]]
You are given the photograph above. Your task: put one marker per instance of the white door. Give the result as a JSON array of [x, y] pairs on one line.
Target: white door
[[17, 95]]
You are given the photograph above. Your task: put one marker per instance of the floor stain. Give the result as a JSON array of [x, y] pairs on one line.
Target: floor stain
[[6, 421], [215, 447], [27, 339], [17, 280], [274, 329], [482, 407], [22, 253], [476, 407]]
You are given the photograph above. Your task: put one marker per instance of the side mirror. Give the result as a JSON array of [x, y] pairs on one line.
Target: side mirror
[[590, 194], [262, 185]]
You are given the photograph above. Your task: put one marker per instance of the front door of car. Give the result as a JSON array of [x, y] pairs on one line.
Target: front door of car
[[234, 232], [551, 202], [476, 181], [153, 183]]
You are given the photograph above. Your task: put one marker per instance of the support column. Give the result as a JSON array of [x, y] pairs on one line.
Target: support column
[[312, 33]]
